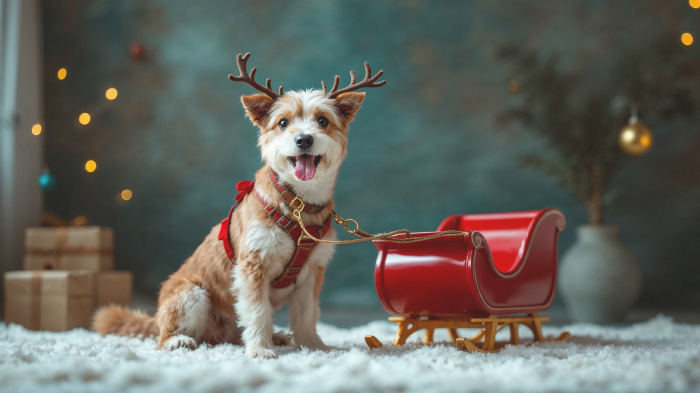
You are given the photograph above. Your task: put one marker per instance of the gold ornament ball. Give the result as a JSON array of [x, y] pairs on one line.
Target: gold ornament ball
[[635, 138]]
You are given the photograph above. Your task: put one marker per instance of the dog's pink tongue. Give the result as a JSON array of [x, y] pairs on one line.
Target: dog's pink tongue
[[305, 168]]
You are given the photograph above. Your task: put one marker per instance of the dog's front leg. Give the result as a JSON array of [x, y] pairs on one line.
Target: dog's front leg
[[303, 315], [254, 310]]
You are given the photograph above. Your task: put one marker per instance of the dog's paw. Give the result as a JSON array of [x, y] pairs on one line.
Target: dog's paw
[[281, 339], [260, 353], [180, 341]]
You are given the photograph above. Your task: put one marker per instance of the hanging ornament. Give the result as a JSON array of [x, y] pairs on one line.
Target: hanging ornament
[[635, 138], [137, 51], [46, 180]]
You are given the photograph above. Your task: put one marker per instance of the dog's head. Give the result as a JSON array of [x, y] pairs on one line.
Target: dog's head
[[303, 134]]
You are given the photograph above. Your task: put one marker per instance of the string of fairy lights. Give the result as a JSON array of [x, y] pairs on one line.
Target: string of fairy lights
[[46, 180]]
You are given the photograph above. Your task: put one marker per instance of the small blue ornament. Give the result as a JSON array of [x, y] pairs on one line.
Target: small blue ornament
[[46, 180]]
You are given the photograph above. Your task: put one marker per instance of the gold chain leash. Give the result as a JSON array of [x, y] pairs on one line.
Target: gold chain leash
[[298, 205]]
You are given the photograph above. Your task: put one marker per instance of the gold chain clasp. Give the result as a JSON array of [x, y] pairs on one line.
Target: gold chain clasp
[[344, 222], [297, 204]]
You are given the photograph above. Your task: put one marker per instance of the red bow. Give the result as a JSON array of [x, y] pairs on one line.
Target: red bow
[[244, 187]]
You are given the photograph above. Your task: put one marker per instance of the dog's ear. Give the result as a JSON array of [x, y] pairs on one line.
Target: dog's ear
[[257, 107], [348, 104]]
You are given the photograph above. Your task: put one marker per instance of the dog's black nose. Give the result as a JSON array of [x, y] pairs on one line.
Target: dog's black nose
[[305, 141]]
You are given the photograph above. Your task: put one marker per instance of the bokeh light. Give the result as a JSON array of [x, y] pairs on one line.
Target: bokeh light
[[62, 73], [36, 129], [126, 194], [687, 38], [90, 166], [79, 221], [513, 86], [694, 3], [84, 118], [111, 93]]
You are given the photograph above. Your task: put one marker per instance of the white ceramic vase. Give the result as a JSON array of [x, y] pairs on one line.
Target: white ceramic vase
[[599, 278]]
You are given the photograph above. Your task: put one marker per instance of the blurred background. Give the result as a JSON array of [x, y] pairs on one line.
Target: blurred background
[[453, 131]]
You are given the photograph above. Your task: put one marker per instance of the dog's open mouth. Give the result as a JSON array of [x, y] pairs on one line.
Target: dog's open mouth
[[305, 166]]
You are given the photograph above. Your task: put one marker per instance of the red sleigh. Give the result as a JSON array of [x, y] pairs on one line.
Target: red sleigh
[[503, 265]]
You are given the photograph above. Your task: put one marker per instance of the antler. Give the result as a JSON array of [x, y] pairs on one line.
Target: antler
[[367, 82], [250, 79]]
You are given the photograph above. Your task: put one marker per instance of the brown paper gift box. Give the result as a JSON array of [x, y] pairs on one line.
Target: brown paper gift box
[[59, 300], [69, 248], [113, 288], [49, 300]]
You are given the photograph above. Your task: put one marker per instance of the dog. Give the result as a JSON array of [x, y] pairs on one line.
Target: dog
[[254, 262]]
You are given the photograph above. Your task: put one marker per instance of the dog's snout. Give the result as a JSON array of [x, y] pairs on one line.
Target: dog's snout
[[304, 141]]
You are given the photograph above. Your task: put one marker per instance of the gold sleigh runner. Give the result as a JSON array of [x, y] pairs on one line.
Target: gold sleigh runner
[[483, 341]]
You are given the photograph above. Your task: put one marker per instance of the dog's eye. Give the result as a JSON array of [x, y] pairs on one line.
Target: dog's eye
[[322, 121], [283, 124]]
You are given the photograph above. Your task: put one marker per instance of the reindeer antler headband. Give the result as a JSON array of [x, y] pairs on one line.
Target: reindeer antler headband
[[368, 81], [250, 79]]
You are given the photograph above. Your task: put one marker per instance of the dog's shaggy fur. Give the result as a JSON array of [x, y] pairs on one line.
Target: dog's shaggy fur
[[210, 300]]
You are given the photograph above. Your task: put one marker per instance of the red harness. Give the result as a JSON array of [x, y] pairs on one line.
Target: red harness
[[303, 248]]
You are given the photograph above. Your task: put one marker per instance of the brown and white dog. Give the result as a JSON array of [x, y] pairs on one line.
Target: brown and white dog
[[215, 299]]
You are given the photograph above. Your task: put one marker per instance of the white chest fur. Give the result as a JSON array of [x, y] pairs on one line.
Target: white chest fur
[[276, 247], [272, 243]]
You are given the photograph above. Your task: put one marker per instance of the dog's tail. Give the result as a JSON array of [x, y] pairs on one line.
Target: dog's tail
[[122, 321]]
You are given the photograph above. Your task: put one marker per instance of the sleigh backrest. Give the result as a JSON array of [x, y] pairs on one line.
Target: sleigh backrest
[[508, 234]]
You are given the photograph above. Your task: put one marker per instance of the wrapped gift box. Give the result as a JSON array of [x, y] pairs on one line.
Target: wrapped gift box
[[69, 248], [113, 288], [58, 300], [49, 300]]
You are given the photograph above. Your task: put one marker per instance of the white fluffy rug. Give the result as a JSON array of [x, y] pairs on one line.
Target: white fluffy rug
[[654, 356]]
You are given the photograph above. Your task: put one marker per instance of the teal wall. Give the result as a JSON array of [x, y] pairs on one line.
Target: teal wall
[[423, 147]]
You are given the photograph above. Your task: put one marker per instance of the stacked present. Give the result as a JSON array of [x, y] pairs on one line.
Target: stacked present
[[68, 274]]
